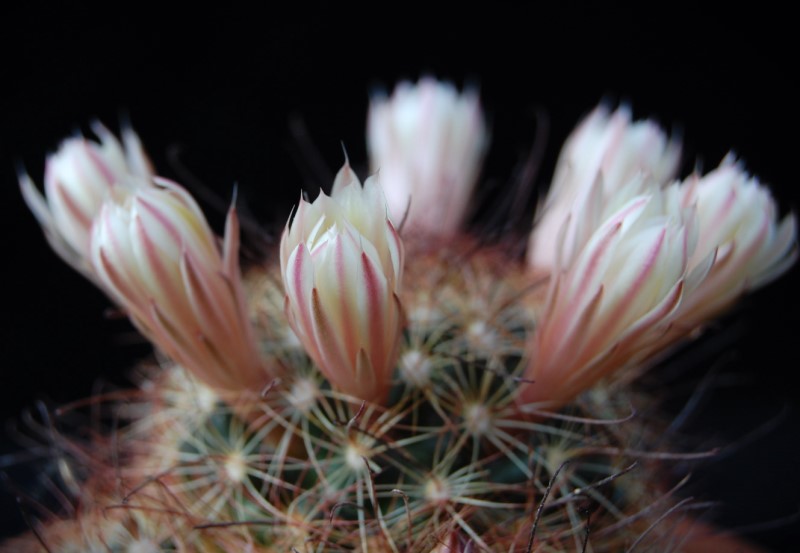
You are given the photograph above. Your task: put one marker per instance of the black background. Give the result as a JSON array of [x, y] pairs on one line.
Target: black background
[[220, 88]]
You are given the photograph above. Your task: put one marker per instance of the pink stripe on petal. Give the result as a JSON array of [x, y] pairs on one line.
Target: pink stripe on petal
[[120, 287], [163, 282], [658, 315], [375, 311], [73, 208], [297, 293], [347, 323], [100, 164], [624, 303], [211, 311], [588, 271], [332, 361], [563, 344], [169, 339], [165, 222], [723, 210]]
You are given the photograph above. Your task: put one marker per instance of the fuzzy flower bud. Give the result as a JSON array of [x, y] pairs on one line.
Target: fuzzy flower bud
[[614, 299], [741, 246], [153, 250], [427, 142], [77, 180], [341, 262], [605, 152]]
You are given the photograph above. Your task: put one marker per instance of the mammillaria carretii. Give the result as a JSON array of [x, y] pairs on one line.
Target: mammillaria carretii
[[374, 388]]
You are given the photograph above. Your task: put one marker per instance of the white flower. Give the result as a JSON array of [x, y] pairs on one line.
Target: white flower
[[78, 178], [427, 142], [603, 154], [741, 245], [153, 250], [341, 262], [614, 299]]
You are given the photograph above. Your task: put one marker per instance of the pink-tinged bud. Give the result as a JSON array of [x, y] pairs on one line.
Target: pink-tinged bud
[[78, 178], [603, 154], [342, 261], [617, 297], [613, 299], [153, 250], [741, 245], [427, 143]]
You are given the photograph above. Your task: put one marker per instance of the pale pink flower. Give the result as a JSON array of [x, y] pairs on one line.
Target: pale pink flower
[[613, 299], [78, 178], [427, 143], [618, 296], [603, 154], [342, 261], [741, 245], [153, 251]]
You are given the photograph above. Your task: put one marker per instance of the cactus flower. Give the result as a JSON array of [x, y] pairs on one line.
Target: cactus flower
[[153, 250], [77, 180], [614, 299], [341, 262], [741, 246], [451, 455], [427, 142], [604, 153], [619, 295]]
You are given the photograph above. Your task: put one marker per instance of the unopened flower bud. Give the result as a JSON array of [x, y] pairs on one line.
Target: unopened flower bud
[[605, 153], [614, 299], [153, 250], [741, 245], [78, 178], [427, 143], [342, 261]]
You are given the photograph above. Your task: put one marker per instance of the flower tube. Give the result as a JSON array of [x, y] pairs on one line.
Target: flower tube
[[153, 250], [427, 143], [342, 262]]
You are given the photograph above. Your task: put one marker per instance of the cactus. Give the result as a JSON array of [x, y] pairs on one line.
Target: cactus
[[381, 387]]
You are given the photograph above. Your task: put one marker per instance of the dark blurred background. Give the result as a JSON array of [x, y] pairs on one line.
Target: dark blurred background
[[222, 97]]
